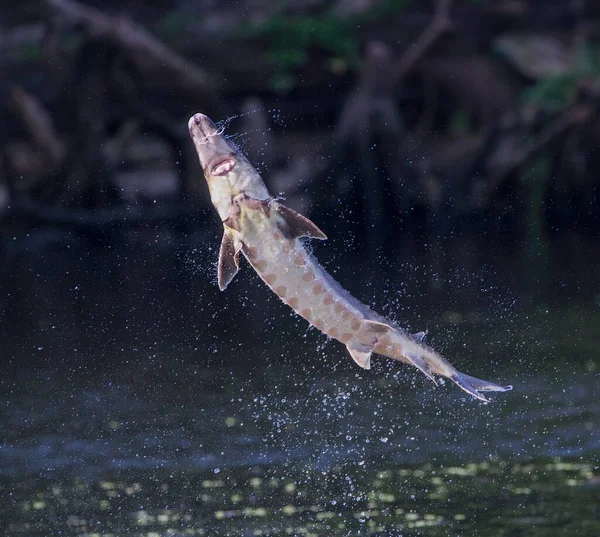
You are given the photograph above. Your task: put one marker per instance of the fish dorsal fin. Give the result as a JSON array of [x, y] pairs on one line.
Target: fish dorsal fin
[[297, 225], [420, 336], [229, 259], [361, 357]]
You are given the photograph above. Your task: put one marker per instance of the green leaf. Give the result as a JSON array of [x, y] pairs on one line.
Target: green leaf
[[552, 94]]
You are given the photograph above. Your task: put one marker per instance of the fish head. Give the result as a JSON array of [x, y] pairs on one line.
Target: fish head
[[227, 171]]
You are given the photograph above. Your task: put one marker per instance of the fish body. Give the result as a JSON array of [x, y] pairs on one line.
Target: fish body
[[270, 236]]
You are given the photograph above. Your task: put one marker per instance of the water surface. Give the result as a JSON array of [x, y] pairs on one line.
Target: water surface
[[138, 400]]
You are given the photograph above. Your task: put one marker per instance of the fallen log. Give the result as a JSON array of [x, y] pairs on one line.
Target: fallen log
[[147, 52]]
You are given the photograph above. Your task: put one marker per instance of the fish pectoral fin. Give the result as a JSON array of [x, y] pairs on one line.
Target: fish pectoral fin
[[421, 365], [361, 356], [229, 259], [296, 224]]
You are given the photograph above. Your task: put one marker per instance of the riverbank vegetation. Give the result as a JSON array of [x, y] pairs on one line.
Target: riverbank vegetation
[[445, 116]]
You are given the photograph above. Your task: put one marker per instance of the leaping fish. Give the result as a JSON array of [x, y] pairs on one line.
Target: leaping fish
[[269, 235]]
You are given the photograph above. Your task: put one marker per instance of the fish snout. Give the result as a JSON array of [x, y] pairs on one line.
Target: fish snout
[[215, 152], [201, 128]]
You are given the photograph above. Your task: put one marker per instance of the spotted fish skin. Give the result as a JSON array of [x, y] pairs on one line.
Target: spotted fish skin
[[270, 236], [283, 263]]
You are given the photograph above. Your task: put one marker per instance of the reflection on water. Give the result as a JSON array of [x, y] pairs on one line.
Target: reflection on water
[[494, 498], [138, 400]]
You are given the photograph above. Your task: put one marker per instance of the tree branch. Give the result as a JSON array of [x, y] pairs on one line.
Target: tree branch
[[440, 24], [144, 50], [39, 124], [568, 119]]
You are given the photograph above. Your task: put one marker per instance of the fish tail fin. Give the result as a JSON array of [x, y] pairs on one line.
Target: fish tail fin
[[473, 386]]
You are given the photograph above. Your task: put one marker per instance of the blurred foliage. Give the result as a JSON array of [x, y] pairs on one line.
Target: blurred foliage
[[31, 53], [461, 99], [554, 93], [536, 179], [34, 53], [461, 122], [292, 38], [171, 25]]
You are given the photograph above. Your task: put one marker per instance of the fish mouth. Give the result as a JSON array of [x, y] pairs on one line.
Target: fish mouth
[[223, 167]]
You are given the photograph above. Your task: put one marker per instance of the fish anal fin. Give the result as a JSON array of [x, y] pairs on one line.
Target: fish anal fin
[[297, 225], [229, 261], [374, 333], [421, 365], [361, 356], [361, 350]]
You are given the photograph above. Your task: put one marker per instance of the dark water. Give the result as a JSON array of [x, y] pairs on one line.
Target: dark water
[[138, 400]]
